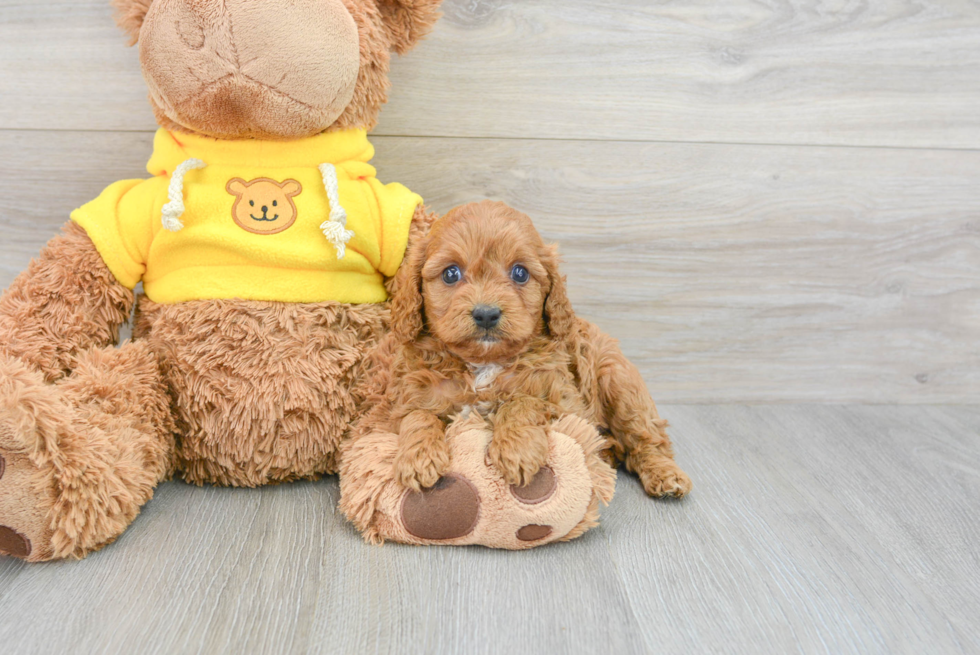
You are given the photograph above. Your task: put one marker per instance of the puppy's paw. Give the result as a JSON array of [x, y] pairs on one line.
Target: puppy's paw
[[663, 477], [420, 465], [518, 453]]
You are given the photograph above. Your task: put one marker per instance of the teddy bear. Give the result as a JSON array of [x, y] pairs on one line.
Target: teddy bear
[[267, 249], [263, 241]]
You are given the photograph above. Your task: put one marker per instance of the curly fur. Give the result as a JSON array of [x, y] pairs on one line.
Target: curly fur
[[553, 364]]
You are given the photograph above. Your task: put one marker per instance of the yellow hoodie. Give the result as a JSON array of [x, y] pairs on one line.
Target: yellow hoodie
[[292, 221]]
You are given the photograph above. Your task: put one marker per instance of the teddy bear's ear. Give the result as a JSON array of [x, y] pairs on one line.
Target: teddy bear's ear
[[292, 188], [407, 21], [236, 186], [130, 15]]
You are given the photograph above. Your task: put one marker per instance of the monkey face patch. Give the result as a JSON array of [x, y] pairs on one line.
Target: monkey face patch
[[264, 206]]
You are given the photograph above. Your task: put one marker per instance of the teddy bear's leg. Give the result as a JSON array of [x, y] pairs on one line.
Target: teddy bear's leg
[[81, 456], [638, 436], [473, 504], [85, 429]]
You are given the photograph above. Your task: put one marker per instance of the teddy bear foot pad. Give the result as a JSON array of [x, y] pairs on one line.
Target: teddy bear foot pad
[[451, 508], [23, 529], [473, 504], [11, 541]]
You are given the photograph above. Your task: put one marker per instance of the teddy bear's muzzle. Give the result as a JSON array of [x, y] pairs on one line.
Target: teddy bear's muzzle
[[239, 68]]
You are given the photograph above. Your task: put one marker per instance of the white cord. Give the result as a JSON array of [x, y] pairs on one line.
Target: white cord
[[335, 228], [174, 209]]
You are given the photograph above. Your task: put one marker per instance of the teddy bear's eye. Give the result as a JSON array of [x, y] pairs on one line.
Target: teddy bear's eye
[[251, 202], [275, 203]]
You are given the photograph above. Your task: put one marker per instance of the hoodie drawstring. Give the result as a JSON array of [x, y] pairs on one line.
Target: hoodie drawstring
[[335, 227], [174, 209]]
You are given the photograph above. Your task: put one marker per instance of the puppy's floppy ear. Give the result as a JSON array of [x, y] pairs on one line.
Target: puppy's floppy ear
[[407, 21], [558, 314], [130, 15], [406, 303]]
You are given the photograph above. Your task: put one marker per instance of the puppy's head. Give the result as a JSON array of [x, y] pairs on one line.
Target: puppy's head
[[483, 283]]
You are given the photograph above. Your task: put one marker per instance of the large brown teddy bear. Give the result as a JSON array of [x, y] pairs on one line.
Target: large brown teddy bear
[[264, 243]]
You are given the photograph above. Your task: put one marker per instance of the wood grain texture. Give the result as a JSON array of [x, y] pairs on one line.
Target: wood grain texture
[[892, 72], [730, 273], [810, 529]]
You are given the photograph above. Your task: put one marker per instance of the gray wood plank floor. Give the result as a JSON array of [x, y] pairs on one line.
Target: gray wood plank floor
[[832, 529]]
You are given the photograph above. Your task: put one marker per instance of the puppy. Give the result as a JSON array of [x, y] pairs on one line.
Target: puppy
[[481, 322]]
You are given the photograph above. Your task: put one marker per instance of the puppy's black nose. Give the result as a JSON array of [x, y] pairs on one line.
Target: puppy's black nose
[[486, 317]]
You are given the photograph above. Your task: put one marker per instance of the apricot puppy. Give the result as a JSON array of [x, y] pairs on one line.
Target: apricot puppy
[[481, 322]]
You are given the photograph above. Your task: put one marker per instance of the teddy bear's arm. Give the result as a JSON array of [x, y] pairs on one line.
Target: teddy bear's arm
[[65, 302]]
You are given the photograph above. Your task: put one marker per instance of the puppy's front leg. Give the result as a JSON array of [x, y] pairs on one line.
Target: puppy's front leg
[[639, 436], [423, 453], [520, 439]]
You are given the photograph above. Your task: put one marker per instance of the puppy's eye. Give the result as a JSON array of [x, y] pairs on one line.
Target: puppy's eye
[[452, 275], [251, 202], [519, 274]]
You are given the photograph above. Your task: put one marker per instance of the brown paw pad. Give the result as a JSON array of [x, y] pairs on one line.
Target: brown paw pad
[[447, 510], [14, 543], [541, 487], [533, 532]]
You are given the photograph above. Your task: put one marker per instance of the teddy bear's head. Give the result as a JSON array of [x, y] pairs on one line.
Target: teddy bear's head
[[264, 206], [270, 69]]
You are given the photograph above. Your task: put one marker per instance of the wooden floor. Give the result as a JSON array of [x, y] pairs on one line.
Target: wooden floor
[[836, 529], [774, 204]]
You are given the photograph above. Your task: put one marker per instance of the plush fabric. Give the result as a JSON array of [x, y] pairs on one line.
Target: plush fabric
[[280, 403], [215, 256], [85, 454], [220, 67], [381, 27], [223, 389], [65, 302], [376, 503]]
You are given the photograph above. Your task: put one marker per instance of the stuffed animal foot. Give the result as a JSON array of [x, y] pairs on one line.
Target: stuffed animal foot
[[78, 458], [24, 530], [472, 503], [25, 496]]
